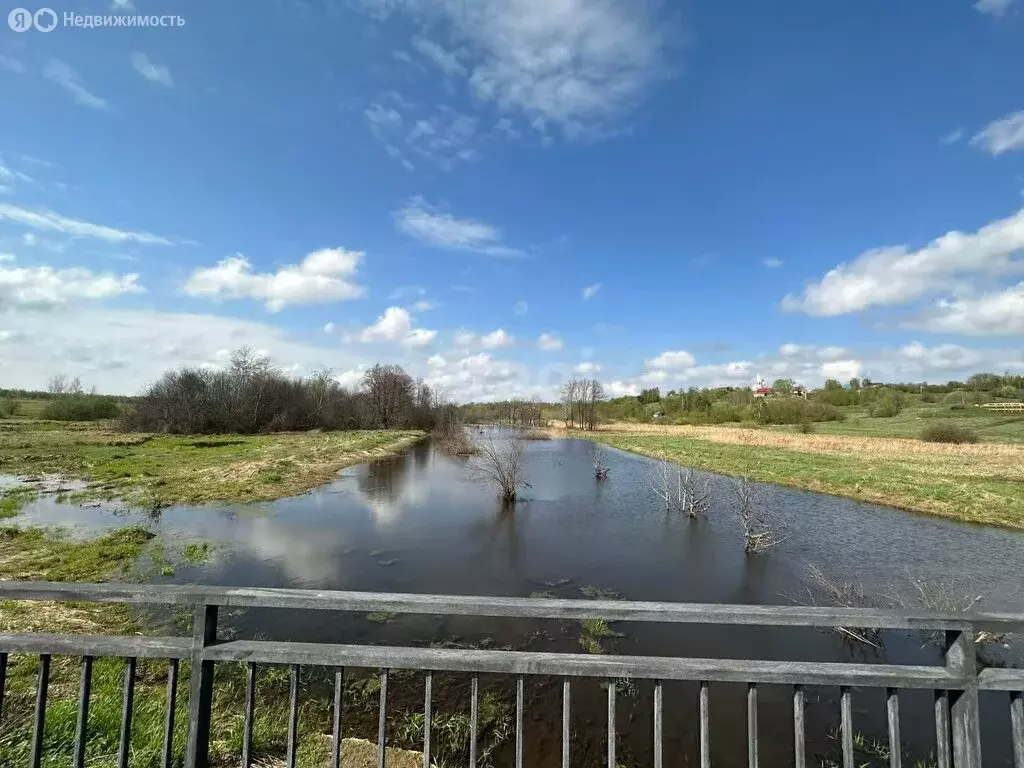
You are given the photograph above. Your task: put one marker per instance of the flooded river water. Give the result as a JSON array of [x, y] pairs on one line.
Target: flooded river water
[[419, 523]]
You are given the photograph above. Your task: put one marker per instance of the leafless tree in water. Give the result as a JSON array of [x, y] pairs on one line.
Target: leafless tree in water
[[598, 458], [500, 464], [822, 589], [757, 517], [683, 490]]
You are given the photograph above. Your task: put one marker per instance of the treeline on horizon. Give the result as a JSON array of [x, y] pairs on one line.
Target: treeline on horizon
[[716, 405]]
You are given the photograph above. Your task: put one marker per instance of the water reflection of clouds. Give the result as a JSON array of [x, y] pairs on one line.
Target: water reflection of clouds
[[305, 555]]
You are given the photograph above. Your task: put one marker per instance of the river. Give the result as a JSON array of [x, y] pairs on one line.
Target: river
[[420, 523]]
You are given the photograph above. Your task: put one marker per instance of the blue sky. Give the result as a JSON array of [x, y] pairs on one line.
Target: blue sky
[[500, 195]]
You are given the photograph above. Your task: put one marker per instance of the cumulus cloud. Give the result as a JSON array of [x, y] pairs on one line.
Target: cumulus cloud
[[67, 78], [44, 287], [549, 342], [998, 313], [672, 361], [944, 357], [54, 222], [322, 276], [435, 227], [396, 326], [588, 368], [842, 370], [494, 340], [591, 291], [896, 274], [1003, 135], [155, 73]]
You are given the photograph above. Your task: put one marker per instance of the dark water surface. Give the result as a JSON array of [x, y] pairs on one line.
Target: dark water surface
[[418, 523]]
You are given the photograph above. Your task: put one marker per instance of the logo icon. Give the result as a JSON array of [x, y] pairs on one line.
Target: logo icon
[[45, 20], [20, 20]]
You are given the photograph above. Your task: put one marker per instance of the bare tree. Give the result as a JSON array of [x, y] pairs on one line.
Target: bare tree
[[500, 464], [683, 490], [390, 390], [601, 469], [822, 589], [756, 516], [62, 385]]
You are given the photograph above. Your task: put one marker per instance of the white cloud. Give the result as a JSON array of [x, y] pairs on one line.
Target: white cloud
[[588, 368], [995, 8], [895, 274], [122, 5], [843, 370], [329, 328], [10, 64], [445, 60], [772, 263], [44, 287], [103, 346], [619, 388], [578, 64], [952, 137], [6, 257], [481, 377], [48, 220], [67, 78], [493, 340], [549, 342], [395, 325], [998, 313], [945, 357], [591, 291], [1003, 135], [322, 276], [155, 73], [423, 306], [405, 291], [521, 307], [435, 227], [676, 360]]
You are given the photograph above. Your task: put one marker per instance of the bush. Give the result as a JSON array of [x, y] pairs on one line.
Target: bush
[[9, 407], [794, 410], [887, 404], [927, 397], [805, 428], [81, 408], [948, 432]]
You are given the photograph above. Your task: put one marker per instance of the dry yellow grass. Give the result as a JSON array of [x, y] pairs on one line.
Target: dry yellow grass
[[980, 483]]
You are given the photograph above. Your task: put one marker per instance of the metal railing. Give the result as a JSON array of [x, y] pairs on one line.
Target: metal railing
[[956, 683]]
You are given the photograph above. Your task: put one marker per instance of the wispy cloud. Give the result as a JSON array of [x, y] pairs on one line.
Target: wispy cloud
[[995, 8], [435, 227], [155, 73], [952, 137], [1003, 135], [11, 64], [521, 307], [54, 222], [772, 263], [591, 291], [549, 342], [67, 78], [445, 60]]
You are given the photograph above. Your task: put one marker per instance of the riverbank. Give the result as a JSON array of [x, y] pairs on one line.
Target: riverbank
[[154, 471], [981, 483]]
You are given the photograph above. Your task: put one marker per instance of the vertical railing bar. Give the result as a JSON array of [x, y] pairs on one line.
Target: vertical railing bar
[[520, 702], [382, 723], [964, 716], [3, 682], [611, 724], [250, 711], [293, 715], [82, 728], [339, 700], [127, 704], [566, 720], [799, 736], [942, 758], [846, 707], [427, 685], [892, 706], [1017, 727], [752, 750], [474, 689], [172, 703], [658, 724], [705, 725], [200, 696], [42, 683]]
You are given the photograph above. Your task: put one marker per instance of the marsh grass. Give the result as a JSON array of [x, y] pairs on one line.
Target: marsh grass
[[154, 471]]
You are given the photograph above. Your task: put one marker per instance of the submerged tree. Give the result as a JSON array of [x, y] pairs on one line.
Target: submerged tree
[[682, 490], [597, 458], [500, 464], [756, 515]]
